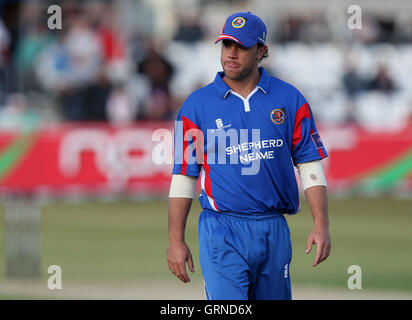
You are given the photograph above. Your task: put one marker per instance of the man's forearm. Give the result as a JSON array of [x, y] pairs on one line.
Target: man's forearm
[[317, 199], [178, 211], [178, 253], [318, 203]]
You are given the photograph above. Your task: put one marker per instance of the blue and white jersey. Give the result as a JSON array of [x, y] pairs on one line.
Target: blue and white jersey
[[244, 149]]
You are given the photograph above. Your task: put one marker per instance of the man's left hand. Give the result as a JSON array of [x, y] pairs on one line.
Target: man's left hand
[[321, 237]]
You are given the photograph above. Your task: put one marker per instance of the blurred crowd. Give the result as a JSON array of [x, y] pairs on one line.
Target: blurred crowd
[[93, 69], [87, 71]]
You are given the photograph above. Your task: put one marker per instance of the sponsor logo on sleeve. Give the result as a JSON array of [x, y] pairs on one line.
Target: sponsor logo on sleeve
[[316, 140]]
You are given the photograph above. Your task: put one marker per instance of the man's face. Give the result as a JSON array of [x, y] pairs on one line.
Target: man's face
[[237, 61]]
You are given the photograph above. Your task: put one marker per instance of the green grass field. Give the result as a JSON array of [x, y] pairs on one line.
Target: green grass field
[[127, 241]]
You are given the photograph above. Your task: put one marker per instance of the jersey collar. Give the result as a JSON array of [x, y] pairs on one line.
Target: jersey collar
[[223, 89]]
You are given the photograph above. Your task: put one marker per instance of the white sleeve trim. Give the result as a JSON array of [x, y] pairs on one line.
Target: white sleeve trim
[[311, 174], [182, 186]]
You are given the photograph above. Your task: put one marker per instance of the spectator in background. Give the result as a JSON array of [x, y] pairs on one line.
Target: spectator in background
[[4, 43], [382, 81], [30, 37], [112, 43], [95, 97], [189, 29], [315, 28], [370, 31], [88, 69], [406, 31], [32, 42], [71, 65], [121, 108], [17, 113], [4, 46], [352, 81], [290, 29], [158, 71], [109, 98], [354, 85], [84, 52], [34, 35], [311, 27]]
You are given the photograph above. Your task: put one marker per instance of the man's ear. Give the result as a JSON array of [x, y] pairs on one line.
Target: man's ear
[[264, 49], [261, 52]]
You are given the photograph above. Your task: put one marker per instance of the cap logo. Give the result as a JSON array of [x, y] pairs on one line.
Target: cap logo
[[238, 22]]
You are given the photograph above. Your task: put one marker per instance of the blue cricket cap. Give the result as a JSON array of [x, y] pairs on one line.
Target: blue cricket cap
[[245, 28]]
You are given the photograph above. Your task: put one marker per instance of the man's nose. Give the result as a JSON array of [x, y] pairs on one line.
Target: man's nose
[[232, 50]]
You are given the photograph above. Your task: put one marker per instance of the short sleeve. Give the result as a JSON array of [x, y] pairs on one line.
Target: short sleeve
[[188, 142], [306, 142]]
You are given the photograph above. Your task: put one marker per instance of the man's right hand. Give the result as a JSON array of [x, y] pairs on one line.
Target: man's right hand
[[178, 253]]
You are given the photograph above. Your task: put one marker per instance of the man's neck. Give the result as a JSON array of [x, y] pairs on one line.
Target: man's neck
[[245, 86]]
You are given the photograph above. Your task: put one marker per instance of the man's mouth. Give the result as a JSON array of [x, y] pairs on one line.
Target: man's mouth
[[232, 65]]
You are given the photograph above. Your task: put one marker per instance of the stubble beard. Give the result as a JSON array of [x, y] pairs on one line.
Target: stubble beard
[[240, 75]]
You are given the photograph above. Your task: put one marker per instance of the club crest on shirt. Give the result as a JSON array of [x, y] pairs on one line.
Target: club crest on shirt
[[277, 115], [238, 22]]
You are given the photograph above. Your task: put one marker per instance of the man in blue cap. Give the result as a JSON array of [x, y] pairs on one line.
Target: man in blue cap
[[243, 134]]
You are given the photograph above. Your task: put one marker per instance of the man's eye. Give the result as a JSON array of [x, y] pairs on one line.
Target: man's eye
[[226, 43]]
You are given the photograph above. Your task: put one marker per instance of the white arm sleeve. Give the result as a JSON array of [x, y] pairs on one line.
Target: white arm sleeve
[[311, 174], [182, 186]]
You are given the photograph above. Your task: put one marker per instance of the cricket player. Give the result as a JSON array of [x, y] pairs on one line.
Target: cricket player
[[243, 134]]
